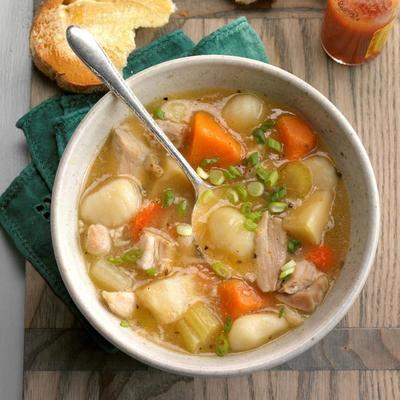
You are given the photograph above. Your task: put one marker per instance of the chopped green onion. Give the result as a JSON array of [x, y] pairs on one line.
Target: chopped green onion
[[232, 196], [234, 171], [221, 345], [228, 175], [253, 159], [209, 161], [272, 178], [268, 124], [274, 145], [259, 136], [245, 208], [129, 257], [184, 230], [124, 323], [262, 173], [151, 271], [255, 189], [242, 192], [287, 270], [277, 207], [278, 194], [206, 196], [250, 225], [281, 311], [289, 265], [254, 216], [293, 245], [201, 173], [285, 274], [181, 207], [168, 197], [159, 113], [228, 324], [216, 177], [221, 270]]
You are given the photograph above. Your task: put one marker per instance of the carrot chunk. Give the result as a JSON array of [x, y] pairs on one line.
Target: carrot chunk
[[209, 139], [147, 216], [297, 137], [238, 298], [322, 257]]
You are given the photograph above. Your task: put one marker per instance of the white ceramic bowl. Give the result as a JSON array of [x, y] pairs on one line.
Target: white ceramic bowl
[[217, 72]]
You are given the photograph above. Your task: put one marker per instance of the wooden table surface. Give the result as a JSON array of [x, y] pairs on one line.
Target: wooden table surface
[[360, 359]]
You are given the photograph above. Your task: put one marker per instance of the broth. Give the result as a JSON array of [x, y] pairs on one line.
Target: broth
[[273, 233]]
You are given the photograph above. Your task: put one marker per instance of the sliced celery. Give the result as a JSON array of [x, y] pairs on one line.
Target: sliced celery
[[198, 327], [109, 277], [203, 321], [190, 339]]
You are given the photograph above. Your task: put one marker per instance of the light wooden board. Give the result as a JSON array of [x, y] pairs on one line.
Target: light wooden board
[[15, 71], [361, 358]]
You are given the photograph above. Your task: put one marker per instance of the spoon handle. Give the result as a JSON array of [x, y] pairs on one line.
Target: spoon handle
[[90, 52]]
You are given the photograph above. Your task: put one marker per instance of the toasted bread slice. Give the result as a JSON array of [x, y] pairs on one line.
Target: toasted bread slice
[[112, 22]]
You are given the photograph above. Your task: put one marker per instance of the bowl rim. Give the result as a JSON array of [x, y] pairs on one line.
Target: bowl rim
[[366, 258]]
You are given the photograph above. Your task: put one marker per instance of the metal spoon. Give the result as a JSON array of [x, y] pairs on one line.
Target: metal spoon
[[90, 52]]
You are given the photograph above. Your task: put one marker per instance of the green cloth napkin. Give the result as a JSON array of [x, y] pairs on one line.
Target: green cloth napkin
[[25, 205]]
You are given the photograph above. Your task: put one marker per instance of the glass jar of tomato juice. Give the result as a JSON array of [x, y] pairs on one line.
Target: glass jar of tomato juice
[[355, 31]]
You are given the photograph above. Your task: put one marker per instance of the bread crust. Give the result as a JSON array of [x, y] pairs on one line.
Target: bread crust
[[112, 22]]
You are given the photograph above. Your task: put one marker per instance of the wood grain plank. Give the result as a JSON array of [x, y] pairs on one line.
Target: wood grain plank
[[61, 385], [376, 87], [271, 385], [14, 101], [223, 8], [342, 349]]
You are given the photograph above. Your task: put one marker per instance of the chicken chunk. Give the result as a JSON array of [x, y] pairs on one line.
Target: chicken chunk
[[152, 164], [271, 251], [308, 299], [180, 111], [158, 248], [130, 151], [304, 275], [121, 237], [175, 131], [173, 177], [120, 303], [98, 240]]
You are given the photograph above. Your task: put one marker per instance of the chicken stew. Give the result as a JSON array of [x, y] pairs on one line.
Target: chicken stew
[[248, 261]]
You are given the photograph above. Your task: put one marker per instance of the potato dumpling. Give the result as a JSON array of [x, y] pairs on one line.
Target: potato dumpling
[[173, 177], [308, 221], [296, 178], [243, 112], [227, 233], [168, 299], [115, 203], [323, 172], [178, 111], [253, 330]]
